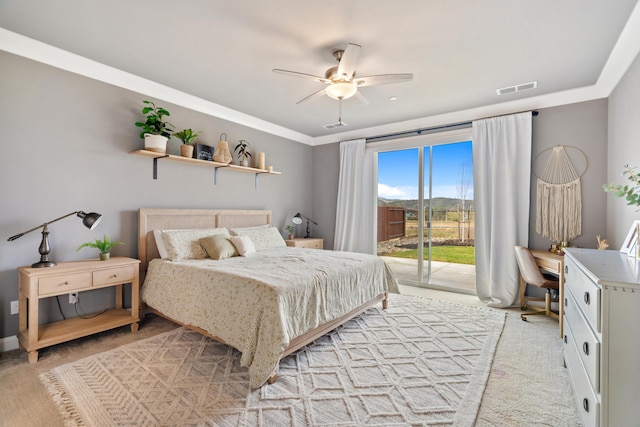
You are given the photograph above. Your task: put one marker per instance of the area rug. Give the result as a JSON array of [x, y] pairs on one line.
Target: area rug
[[421, 362]]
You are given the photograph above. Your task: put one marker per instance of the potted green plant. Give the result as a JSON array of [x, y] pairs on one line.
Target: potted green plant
[[155, 130], [104, 246], [291, 230], [242, 149], [630, 193], [187, 136]]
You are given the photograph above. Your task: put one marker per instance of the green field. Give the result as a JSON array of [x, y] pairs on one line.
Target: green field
[[455, 254]]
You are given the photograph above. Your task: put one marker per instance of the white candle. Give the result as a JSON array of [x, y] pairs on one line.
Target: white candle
[[270, 168], [261, 160]]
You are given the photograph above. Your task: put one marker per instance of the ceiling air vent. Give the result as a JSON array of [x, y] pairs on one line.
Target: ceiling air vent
[[517, 88], [334, 125]]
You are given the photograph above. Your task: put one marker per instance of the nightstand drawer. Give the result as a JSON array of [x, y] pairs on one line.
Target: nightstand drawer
[[113, 275], [64, 283]]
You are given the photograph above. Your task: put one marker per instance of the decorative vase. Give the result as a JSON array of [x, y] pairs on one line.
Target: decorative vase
[[222, 154], [186, 150], [105, 257], [157, 143], [244, 163]]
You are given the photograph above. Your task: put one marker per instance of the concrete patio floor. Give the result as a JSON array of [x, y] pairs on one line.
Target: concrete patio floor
[[460, 277]]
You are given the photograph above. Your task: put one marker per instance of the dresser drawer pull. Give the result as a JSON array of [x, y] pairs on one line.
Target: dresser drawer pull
[[565, 339], [587, 298], [585, 348], [566, 269], [585, 404], [566, 303]]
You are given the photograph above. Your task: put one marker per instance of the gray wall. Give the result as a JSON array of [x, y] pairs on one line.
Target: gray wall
[[584, 126], [65, 147], [326, 175], [624, 148]]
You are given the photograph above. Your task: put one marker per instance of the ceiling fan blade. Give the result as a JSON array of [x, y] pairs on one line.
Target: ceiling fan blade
[[314, 95], [303, 75], [348, 62], [383, 79], [360, 97]]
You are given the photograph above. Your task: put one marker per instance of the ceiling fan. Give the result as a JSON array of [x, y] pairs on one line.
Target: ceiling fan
[[342, 81]]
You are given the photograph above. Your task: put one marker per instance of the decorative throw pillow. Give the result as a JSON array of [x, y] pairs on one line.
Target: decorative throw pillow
[[162, 250], [263, 238], [218, 247], [243, 244], [183, 244]]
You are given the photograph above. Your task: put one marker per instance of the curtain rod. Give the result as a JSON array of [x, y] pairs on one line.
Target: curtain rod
[[432, 129]]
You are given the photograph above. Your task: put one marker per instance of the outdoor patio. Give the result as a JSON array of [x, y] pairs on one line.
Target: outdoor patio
[[461, 277]]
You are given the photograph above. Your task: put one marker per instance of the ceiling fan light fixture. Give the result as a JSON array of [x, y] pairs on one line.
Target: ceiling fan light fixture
[[341, 90]]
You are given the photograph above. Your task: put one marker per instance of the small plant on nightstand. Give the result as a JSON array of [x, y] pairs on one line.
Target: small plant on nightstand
[[104, 246], [291, 230]]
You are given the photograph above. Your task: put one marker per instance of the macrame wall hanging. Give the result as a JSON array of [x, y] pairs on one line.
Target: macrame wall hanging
[[559, 197]]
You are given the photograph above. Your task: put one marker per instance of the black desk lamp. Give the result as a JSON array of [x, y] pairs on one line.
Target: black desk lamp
[[298, 220], [90, 220]]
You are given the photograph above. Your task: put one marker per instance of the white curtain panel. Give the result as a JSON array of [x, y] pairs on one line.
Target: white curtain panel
[[355, 206], [502, 174]]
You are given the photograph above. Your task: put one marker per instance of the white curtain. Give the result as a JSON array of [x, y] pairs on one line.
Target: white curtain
[[502, 174], [355, 217]]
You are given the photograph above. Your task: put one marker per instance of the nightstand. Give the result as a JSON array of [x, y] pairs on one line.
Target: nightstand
[[301, 242], [35, 284]]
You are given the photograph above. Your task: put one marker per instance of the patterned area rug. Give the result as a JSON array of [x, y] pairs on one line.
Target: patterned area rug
[[421, 362]]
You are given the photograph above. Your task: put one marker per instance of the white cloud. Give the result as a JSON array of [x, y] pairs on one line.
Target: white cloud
[[401, 193]]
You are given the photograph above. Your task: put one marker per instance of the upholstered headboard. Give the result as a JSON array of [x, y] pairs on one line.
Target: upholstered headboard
[[182, 219]]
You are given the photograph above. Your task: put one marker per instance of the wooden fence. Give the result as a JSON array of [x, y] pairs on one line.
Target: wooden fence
[[391, 222]]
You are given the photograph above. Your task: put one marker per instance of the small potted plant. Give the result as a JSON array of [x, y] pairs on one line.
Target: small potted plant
[[290, 229], [104, 246], [243, 152], [187, 136], [630, 192], [155, 130]]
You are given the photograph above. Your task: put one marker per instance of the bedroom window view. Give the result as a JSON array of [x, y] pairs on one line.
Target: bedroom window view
[[426, 215]]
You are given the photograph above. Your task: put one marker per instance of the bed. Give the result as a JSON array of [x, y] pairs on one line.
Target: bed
[[266, 305]]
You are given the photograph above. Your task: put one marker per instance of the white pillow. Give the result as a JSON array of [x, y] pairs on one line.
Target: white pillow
[[263, 238], [243, 244], [162, 250], [183, 244]]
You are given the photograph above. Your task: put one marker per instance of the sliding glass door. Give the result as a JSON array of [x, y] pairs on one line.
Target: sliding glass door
[[425, 213]]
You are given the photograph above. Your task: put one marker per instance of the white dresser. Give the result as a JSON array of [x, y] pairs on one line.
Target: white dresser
[[602, 335]]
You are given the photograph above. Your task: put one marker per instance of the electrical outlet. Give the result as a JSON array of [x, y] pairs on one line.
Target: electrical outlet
[[14, 307], [74, 298]]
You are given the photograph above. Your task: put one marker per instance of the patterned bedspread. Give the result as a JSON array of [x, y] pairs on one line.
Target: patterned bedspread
[[258, 304]]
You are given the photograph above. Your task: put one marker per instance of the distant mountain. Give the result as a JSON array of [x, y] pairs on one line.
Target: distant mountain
[[437, 203]]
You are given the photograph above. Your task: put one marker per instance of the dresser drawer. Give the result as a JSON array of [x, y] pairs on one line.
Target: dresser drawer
[[586, 399], [63, 283], [113, 275], [586, 293], [587, 344]]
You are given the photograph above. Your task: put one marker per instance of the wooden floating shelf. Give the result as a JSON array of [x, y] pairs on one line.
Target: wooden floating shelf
[[216, 165]]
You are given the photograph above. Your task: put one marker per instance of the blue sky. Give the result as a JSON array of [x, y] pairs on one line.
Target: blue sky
[[398, 171]]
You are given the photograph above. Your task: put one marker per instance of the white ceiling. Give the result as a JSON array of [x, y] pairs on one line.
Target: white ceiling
[[217, 56]]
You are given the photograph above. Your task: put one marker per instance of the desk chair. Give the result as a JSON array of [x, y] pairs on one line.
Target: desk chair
[[531, 274]]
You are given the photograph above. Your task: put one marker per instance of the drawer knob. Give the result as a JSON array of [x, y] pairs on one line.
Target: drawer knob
[[66, 282], [585, 348], [566, 269], [565, 339], [566, 303], [114, 275], [585, 404], [587, 298]]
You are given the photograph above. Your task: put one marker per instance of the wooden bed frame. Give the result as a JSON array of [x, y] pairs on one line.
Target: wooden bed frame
[[151, 219]]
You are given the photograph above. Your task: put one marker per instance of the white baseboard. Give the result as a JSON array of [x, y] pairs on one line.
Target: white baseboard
[[8, 343]]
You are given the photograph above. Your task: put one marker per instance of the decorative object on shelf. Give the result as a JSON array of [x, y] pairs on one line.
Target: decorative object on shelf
[[204, 152], [559, 197], [242, 149], [297, 219], [90, 220], [602, 243], [631, 194], [104, 246], [261, 161], [291, 230], [270, 168], [155, 130], [187, 136], [631, 245], [222, 153]]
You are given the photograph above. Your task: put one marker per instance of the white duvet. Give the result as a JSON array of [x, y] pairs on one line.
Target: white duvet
[[258, 304]]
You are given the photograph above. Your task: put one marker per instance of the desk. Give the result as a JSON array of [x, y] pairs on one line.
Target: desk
[[554, 264]]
